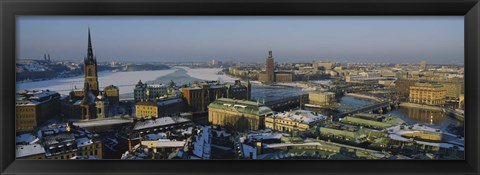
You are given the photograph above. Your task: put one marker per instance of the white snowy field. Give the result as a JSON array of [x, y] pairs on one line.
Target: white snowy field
[[125, 81], [209, 74]]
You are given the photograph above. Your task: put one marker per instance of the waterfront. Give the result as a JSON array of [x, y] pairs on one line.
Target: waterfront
[[184, 75], [271, 96], [411, 115], [124, 80], [432, 118]]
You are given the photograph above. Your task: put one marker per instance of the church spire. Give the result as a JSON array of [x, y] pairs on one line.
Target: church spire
[[90, 58]]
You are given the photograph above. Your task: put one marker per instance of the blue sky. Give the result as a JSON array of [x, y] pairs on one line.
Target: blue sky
[[393, 39]]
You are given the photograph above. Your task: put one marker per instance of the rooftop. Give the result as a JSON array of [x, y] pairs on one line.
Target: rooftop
[[28, 150], [163, 121], [303, 116], [242, 106]]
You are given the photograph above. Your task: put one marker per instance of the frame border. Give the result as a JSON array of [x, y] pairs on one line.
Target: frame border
[[470, 9]]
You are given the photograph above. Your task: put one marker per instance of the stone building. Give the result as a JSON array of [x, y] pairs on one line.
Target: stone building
[[454, 89], [268, 76], [321, 98], [427, 93], [149, 92], [90, 102], [402, 86], [160, 108], [298, 120], [199, 96], [283, 77], [240, 115], [34, 108]]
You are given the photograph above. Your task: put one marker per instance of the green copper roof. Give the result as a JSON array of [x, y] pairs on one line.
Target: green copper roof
[[242, 106], [326, 131], [365, 122]]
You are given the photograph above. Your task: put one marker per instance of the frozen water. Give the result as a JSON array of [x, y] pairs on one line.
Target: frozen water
[[208, 74], [125, 81]]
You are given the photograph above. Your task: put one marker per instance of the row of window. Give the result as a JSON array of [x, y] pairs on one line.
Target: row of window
[[21, 116], [25, 121], [25, 109]]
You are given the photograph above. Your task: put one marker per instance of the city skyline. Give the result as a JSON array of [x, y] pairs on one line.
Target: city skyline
[[330, 111], [438, 40]]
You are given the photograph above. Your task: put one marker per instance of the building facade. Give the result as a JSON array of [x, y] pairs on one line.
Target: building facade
[[146, 109], [198, 96], [298, 120], [34, 108], [321, 98], [149, 92], [160, 108], [454, 89], [402, 86], [426, 93], [283, 77], [240, 115], [326, 65]]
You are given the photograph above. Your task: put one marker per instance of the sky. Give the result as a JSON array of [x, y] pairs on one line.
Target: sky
[[387, 39]]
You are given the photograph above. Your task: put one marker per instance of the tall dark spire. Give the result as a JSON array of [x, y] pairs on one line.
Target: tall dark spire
[[90, 58]]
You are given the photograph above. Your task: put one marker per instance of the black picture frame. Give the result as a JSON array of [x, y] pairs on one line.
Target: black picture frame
[[470, 9]]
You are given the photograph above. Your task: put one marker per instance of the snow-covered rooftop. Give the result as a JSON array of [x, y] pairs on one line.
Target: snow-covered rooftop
[[202, 145], [169, 143], [163, 121], [83, 142], [25, 138], [249, 151], [85, 157], [397, 137], [401, 129], [156, 136], [265, 136], [27, 150], [102, 122], [441, 145], [303, 116], [157, 86], [187, 131], [169, 101]]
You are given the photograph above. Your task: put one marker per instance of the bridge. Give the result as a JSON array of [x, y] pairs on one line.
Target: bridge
[[287, 103], [377, 107]]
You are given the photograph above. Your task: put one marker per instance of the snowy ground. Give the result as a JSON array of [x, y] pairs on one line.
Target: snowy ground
[[208, 74], [124, 80]]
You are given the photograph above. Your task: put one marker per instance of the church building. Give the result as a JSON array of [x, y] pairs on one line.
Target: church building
[[90, 102]]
